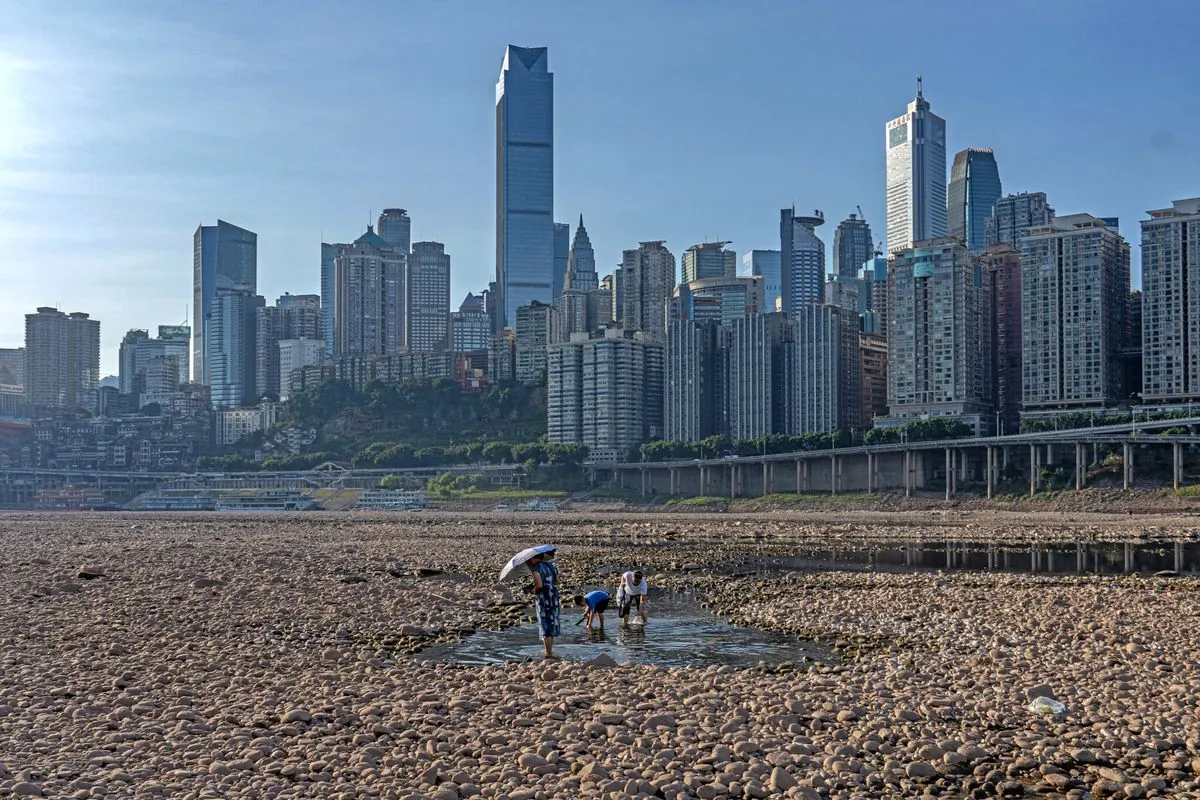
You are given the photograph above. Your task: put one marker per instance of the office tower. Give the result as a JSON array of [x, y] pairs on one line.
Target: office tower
[[1013, 216], [1074, 289], [1002, 271], [329, 253], [231, 356], [852, 245], [1170, 304], [428, 298], [824, 370], [708, 260], [12, 366], [646, 279], [692, 381], [538, 326], [581, 262], [224, 257], [572, 307], [562, 257], [294, 356], [720, 299], [599, 308], [294, 316], [157, 382], [972, 195], [614, 286], [801, 259], [62, 358], [848, 294], [524, 182], [938, 334], [872, 378], [916, 175], [138, 350], [470, 328], [765, 263], [369, 311], [394, 226], [605, 392], [759, 375]]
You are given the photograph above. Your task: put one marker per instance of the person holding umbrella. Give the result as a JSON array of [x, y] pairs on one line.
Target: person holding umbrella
[[545, 590]]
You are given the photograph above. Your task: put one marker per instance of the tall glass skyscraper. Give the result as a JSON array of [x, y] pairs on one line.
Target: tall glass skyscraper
[[562, 254], [974, 190], [852, 246], [395, 227], [524, 182], [801, 259], [224, 257], [916, 175]]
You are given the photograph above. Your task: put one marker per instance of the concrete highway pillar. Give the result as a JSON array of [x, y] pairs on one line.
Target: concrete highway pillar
[[1033, 469], [645, 476], [1079, 468], [1126, 465], [991, 475], [799, 476], [733, 470], [807, 474], [766, 478], [870, 473], [949, 473], [1178, 464], [908, 473], [835, 464]]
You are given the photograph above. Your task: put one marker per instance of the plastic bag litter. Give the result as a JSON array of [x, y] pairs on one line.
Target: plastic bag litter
[[1047, 705]]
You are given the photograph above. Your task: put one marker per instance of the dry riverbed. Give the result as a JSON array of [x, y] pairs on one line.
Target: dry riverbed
[[268, 657]]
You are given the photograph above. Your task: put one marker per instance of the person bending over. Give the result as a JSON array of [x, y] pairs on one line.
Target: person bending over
[[596, 603], [631, 596]]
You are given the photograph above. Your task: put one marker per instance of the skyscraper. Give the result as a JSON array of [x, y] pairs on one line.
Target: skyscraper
[[224, 257], [1002, 271], [138, 350], [1074, 291], [1171, 303], [427, 311], [395, 227], [62, 358], [938, 329], [852, 245], [329, 253], [231, 357], [646, 278], [369, 315], [720, 299], [692, 383], [765, 263], [916, 175], [708, 260], [759, 377], [294, 316], [581, 262], [562, 256], [470, 329], [12, 366], [875, 288], [524, 182], [1014, 215], [538, 326], [801, 260], [824, 370], [974, 190]]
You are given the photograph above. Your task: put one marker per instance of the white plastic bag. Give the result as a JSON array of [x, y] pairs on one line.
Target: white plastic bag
[[1047, 705]]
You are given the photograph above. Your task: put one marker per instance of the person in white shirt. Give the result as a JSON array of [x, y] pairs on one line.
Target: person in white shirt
[[631, 596]]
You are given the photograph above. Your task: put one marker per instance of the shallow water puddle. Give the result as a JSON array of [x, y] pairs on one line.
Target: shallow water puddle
[[679, 633]]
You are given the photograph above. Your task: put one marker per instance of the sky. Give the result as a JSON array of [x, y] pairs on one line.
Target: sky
[[124, 125]]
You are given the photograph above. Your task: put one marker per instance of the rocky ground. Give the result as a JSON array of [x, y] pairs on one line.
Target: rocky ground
[[266, 657]]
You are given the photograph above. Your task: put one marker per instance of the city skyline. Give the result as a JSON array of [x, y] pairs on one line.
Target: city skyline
[[138, 189]]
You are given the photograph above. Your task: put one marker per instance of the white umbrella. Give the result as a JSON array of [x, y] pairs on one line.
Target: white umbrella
[[523, 556]]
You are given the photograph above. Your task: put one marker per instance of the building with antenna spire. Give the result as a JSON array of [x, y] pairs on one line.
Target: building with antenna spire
[[916, 175], [852, 245]]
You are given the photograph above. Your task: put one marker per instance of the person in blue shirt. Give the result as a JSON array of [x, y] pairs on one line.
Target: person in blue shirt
[[596, 603]]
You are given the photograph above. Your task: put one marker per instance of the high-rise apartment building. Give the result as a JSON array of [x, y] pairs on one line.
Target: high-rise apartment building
[[294, 316], [708, 260], [524, 182], [614, 285], [294, 356], [1170, 303], [765, 263], [232, 357], [824, 370], [139, 353], [874, 277], [971, 199], [646, 279], [369, 311], [605, 392], [470, 329], [329, 253], [394, 226], [572, 307], [538, 326], [872, 378], [848, 294], [916, 175], [12, 366], [759, 376], [1002, 272], [427, 311], [693, 384], [852, 246], [801, 259], [720, 299], [502, 357], [938, 334], [1074, 290], [224, 257], [581, 262], [1012, 218], [562, 257], [62, 358]]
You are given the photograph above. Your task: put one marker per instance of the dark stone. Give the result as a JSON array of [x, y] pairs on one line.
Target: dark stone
[[353, 579], [90, 576], [426, 572]]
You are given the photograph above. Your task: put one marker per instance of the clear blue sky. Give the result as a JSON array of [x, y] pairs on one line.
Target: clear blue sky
[[124, 125]]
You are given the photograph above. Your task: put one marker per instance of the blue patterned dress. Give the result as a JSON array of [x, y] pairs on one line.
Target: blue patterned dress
[[547, 601]]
